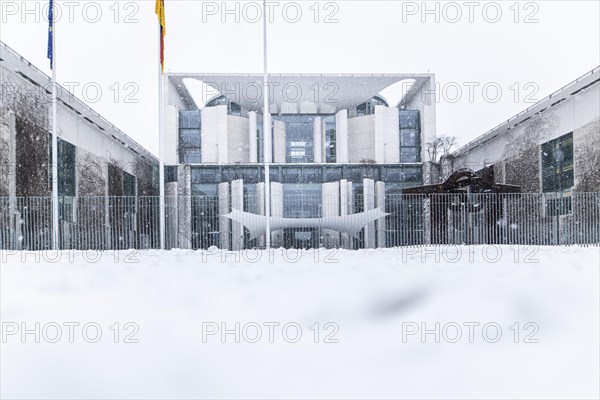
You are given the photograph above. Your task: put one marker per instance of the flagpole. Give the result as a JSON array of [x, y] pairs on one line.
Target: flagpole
[[55, 231], [266, 133], [161, 139]]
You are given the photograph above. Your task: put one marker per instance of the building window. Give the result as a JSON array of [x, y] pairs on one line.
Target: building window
[[368, 107], [410, 136], [557, 164], [330, 139], [170, 174], [66, 168], [190, 142], [232, 107], [128, 184]]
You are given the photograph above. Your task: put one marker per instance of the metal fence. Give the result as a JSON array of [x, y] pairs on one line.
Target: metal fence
[[350, 220]]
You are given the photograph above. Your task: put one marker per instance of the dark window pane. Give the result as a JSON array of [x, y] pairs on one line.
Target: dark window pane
[[354, 174], [189, 119], [229, 174], [291, 175], [189, 138], [409, 154], [128, 184], [557, 164], [409, 119], [190, 156], [332, 174], [409, 137], [311, 175], [250, 175]]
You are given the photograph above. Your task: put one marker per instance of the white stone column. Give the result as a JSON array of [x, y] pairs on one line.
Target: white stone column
[[350, 205], [330, 207], [380, 223], [428, 114], [184, 207], [276, 211], [279, 141], [171, 215], [252, 138], [223, 135], [260, 202], [237, 203], [392, 135], [369, 204], [379, 134], [224, 222], [345, 238], [341, 140], [317, 141], [171, 124]]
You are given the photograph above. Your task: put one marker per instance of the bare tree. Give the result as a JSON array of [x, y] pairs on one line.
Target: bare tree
[[441, 145]]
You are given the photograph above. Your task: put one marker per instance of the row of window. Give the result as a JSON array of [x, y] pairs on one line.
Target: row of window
[[299, 136], [301, 174]]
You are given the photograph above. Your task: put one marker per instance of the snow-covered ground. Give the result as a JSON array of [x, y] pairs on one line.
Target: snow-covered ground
[[353, 323]]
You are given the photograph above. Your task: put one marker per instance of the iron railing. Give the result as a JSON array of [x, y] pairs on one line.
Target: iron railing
[[305, 221]]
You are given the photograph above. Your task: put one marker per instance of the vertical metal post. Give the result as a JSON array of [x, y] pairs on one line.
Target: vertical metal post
[[55, 230], [266, 133], [161, 139]]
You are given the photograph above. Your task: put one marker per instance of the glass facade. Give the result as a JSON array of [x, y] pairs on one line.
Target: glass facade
[[368, 107], [232, 108], [66, 168], [190, 142], [330, 138], [410, 136], [557, 164], [405, 175]]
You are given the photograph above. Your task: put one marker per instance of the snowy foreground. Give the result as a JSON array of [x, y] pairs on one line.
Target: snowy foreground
[[344, 324]]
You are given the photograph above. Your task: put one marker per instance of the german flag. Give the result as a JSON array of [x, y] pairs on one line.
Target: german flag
[[160, 12]]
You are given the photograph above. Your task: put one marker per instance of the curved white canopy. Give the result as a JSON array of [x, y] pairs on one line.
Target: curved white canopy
[[351, 224]]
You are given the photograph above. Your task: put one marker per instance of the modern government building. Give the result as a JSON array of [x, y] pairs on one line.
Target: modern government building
[[342, 154], [338, 147]]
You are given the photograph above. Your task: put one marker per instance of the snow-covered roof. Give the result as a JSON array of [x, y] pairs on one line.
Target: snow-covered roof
[[13, 61], [572, 89]]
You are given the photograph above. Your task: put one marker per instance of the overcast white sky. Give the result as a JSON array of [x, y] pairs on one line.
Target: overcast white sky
[[559, 42]]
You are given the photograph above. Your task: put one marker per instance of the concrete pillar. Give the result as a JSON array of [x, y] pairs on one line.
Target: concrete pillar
[[224, 222], [223, 135], [392, 135], [431, 173], [446, 166], [426, 220], [260, 202], [380, 223], [428, 118], [252, 137], [369, 204], [379, 137], [171, 125], [345, 238], [237, 203], [317, 141], [341, 121], [276, 211], [351, 209], [171, 217], [279, 141], [184, 207], [330, 207], [323, 141]]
